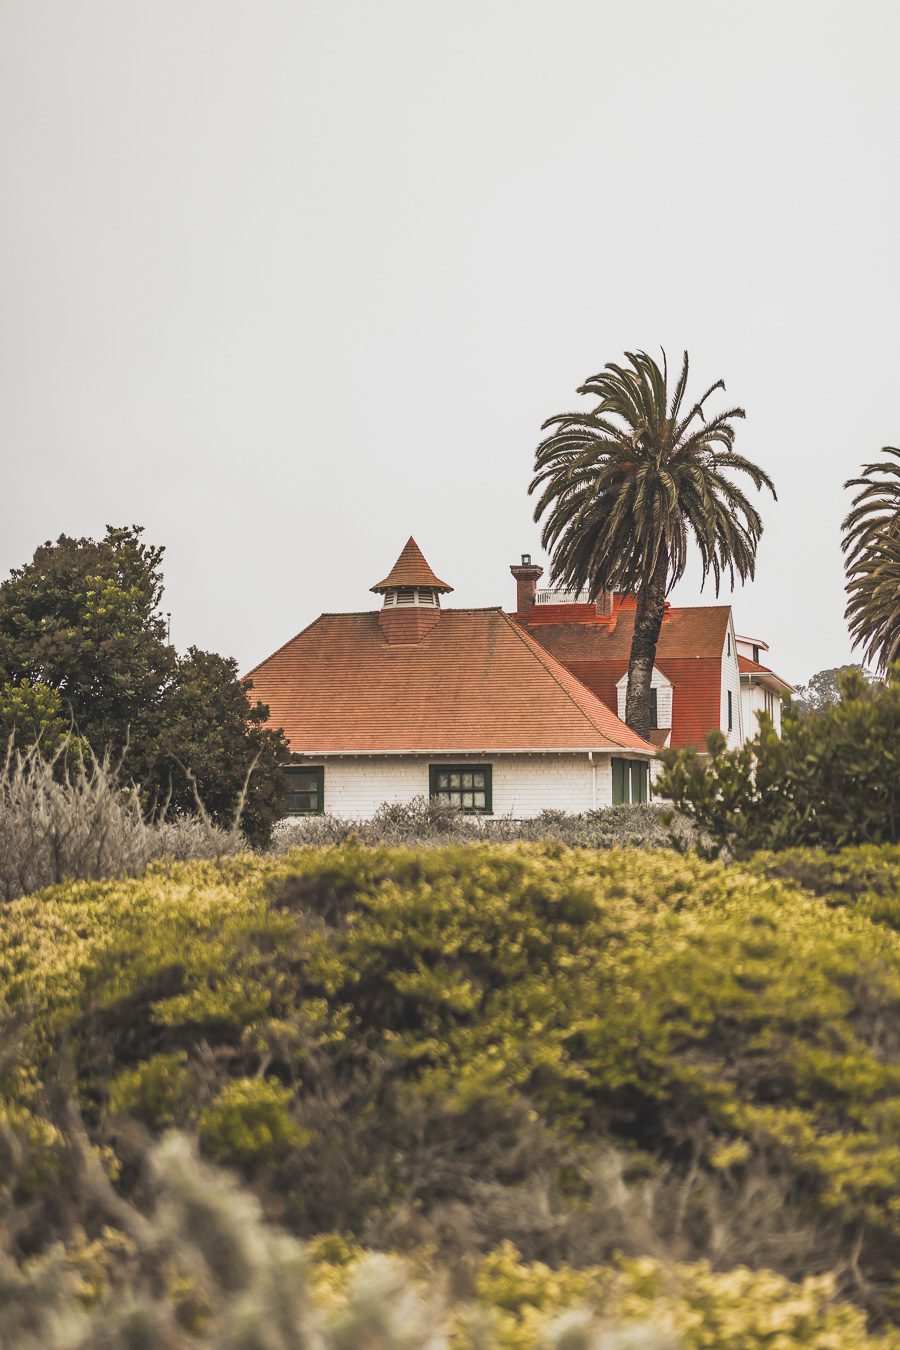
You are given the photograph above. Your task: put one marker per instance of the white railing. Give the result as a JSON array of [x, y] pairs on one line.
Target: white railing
[[548, 597]]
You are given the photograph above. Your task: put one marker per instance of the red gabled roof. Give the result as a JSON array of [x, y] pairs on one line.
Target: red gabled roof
[[767, 676], [411, 569], [697, 630], [477, 682], [689, 654], [748, 667]]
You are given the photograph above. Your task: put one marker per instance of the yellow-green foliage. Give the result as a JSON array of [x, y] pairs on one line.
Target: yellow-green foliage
[[691, 1009], [518, 1305], [155, 1090], [229, 1279], [688, 1306], [249, 1122]]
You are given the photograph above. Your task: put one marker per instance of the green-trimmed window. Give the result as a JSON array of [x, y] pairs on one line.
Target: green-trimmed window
[[654, 709], [304, 790], [467, 786], [630, 781]]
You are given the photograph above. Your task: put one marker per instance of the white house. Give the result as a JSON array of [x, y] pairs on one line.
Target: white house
[[761, 688], [415, 700]]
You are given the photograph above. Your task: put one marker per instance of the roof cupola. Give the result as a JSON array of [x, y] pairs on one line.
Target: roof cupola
[[412, 595]]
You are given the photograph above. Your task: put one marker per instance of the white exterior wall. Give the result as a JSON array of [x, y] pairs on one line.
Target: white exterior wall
[[522, 785], [731, 681], [663, 687], [753, 699]]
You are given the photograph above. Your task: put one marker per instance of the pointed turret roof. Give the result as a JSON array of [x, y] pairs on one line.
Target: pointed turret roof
[[411, 569]]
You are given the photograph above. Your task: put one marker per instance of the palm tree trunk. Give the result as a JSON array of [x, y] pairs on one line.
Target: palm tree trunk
[[651, 605]]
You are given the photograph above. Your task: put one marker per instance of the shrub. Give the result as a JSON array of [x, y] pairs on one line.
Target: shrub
[[426, 822], [831, 780], [154, 1091], [250, 1123], [203, 1269], [67, 817], [579, 1051]]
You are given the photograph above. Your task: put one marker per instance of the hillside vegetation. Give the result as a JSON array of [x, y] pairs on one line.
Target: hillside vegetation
[[629, 1089]]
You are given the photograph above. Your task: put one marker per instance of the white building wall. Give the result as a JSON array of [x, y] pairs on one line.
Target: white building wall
[[663, 687], [731, 682], [522, 785], [753, 698]]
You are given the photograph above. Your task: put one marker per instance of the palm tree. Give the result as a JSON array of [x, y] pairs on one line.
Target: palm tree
[[627, 485], [871, 545]]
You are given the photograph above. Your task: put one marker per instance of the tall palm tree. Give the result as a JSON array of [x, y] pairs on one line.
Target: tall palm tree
[[871, 547], [627, 485]]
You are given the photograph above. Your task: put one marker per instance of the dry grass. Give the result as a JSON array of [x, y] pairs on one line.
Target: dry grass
[[69, 818]]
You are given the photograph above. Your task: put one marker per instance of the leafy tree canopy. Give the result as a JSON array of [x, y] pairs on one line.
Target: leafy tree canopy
[[831, 780], [83, 644], [32, 713], [822, 690]]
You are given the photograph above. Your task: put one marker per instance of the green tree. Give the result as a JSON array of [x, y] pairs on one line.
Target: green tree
[[214, 737], [831, 780], [871, 546], [626, 486], [83, 619], [32, 713], [83, 644], [822, 690]]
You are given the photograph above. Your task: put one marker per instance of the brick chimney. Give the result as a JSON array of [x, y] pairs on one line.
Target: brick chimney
[[527, 575], [603, 605]]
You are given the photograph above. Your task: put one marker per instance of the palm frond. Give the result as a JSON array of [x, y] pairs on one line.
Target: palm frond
[[871, 546], [626, 482]]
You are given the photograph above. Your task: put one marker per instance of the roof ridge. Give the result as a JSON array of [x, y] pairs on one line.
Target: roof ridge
[[541, 653], [278, 650]]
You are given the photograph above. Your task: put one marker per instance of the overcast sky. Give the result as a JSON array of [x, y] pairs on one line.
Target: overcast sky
[[287, 282]]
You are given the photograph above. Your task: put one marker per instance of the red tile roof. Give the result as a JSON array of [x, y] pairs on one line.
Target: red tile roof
[[769, 678], [411, 569], [748, 667], [477, 682], [691, 644], [697, 630]]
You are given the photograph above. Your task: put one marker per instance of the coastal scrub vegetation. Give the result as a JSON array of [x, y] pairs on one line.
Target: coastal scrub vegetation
[[831, 779], [600, 1093]]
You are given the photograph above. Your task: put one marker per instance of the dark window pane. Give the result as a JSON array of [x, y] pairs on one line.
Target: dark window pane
[[303, 791], [466, 787]]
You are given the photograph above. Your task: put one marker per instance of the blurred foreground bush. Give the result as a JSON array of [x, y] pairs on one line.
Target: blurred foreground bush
[[583, 1053], [203, 1269]]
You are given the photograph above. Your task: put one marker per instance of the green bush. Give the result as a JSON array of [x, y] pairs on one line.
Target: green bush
[[831, 780], [581, 1052], [155, 1091], [866, 877], [250, 1123]]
